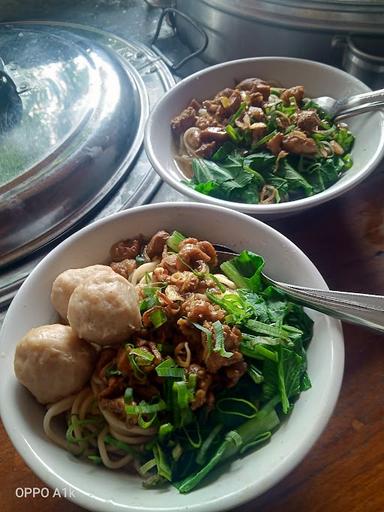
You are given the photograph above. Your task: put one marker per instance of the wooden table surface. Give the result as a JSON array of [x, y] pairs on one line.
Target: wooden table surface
[[344, 472]]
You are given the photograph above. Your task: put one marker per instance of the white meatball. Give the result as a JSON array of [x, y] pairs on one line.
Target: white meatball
[[66, 282], [104, 309], [52, 362]]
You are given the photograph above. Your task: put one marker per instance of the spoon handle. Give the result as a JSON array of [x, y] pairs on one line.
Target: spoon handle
[[344, 114], [358, 308], [359, 99]]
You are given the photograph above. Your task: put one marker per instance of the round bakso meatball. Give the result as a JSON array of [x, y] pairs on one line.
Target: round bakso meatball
[[52, 362], [104, 309], [66, 282]]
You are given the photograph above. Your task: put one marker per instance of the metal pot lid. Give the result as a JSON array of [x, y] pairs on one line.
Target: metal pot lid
[[352, 16], [81, 125]]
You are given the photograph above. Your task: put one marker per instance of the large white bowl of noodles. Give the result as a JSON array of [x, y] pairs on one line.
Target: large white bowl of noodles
[[98, 488]]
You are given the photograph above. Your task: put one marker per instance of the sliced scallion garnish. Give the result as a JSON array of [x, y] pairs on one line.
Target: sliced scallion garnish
[[168, 368], [158, 318], [220, 339], [145, 408], [208, 334], [234, 406], [174, 241], [128, 395]]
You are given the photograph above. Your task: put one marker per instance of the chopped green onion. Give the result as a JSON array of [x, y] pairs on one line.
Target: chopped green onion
[[255, 374], [138, 372], [180, 398], [257, 351], [158, 318], [259, 439], [153, 482], [181, 394], [142, 357], [238, 113], [277, 91], [165, 430], [177, 452], [146, 423], [145, 408], [191, 385], [128, 395], [168, 368], [174, 241], [264, 140], [195, 444], [232, 132], [239, 404], [234, 437], [140, 260], [150, 301], [96, 459], [139, 357], [145, 468], [201, 456], [124, 447], [112, 371], [208, 334], [71, 438], [163, 467], [219, 340], [234, 304], [274, 330], [220, 286]]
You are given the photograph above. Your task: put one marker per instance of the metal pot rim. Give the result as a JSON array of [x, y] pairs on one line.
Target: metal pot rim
[[315, 16]]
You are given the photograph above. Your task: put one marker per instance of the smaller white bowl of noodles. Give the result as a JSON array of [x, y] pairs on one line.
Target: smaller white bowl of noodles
[[199, 106], [99, 488]]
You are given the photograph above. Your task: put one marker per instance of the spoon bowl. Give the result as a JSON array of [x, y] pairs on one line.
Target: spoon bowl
[[350, 106]]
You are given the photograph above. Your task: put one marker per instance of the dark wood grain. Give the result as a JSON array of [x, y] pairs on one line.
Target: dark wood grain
[[344, 472]]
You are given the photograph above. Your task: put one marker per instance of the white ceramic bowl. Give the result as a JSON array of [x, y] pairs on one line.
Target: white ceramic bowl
[[318, 80], [100, 489]]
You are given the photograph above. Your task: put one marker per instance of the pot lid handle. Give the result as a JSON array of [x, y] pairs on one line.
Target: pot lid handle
[[172, 12]]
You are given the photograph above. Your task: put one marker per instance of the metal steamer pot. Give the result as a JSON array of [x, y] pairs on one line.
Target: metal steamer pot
[[311, 30]]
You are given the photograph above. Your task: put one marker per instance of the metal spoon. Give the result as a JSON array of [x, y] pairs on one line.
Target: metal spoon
[[351, 105], [357, 308]]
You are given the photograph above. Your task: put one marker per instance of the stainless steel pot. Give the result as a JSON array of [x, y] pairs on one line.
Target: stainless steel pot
[[364, 58], [247, 28]]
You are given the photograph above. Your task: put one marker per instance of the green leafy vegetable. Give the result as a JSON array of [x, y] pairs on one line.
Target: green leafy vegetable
[[264, 421], [285, 376], [245, 270]]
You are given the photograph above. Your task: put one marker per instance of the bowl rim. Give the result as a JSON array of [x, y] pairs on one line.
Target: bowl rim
[[91, 501], [272, 209]]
